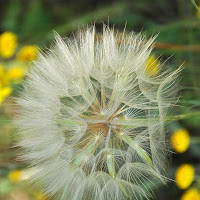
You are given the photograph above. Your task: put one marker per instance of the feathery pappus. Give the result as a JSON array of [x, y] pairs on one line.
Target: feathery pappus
[[92, 118]]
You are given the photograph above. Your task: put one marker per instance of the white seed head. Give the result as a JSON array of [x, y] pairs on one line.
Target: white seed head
[[92, 119]]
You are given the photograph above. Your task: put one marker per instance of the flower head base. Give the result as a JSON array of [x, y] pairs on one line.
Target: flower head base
[[93, 120], [184, 176]]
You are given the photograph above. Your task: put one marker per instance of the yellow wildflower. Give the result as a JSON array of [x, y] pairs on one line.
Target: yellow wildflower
[[180, 140], [191, 194], [20, 175], [15, 176], [28, 53], [6, 78], [184, 176], [15, 73], [8, 44], [152, 66], [10, 75], [4, 92]]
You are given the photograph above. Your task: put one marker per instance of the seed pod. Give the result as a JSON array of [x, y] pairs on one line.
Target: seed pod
[[92, 119]]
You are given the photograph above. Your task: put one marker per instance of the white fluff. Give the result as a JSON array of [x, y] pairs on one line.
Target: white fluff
[[92, 120]]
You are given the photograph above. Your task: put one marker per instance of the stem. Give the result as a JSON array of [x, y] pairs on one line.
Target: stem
[[65, 189], [140, 151], [134, 121], [81, 157], [111, 165], [144, 121], [182, 116], [195, 5], [195, 140]]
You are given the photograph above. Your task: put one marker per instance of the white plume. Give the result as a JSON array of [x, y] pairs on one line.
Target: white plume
[[92, 121]]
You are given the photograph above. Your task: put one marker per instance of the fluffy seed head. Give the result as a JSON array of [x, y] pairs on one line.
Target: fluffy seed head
[[92, 119]]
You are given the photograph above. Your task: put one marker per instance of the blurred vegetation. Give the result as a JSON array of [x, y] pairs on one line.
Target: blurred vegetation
[[178, 25]]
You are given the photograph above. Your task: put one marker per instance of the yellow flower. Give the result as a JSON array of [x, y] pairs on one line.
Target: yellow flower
[[180, 140], [152, 66], [8, 76], [8, 44], [15, 73], [191, 194], [15, 176], [4, 92], [28, 53], [184, 176], [20, 175]]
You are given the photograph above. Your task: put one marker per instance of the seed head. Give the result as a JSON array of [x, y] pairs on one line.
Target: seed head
[[92, 119]]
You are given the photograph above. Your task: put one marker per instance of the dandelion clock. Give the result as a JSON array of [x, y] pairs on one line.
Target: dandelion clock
[[92, 117]]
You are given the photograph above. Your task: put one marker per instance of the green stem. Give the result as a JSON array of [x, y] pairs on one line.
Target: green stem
[[77, 162], [144, 121], [195, 140], [123, 190], [195, 5], [110, 159], [65, 189], [140, 151], [82, 156], [135, 121], [182, 116], [111, 165]]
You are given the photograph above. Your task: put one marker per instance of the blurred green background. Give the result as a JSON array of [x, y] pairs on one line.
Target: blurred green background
[[33, 22]]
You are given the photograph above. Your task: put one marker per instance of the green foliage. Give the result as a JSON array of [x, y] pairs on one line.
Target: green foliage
[[36, 19], [179, 29], [10, 20]]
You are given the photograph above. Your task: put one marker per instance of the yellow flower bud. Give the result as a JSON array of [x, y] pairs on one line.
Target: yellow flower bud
[[184, 176], [15, 176], [8, 44], [28, 53], [15, 73], [4, 92], [180, 140], [191, 194]]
